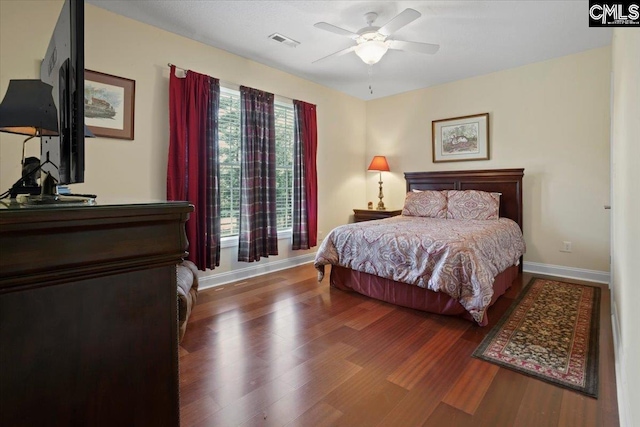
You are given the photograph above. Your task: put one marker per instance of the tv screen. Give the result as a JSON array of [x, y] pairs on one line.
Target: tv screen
[[63, 68]]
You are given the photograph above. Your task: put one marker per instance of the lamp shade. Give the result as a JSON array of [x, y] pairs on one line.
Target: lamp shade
[[28, 109], [379, 163]]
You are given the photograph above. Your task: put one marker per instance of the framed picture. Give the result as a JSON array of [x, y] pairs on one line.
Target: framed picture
[[109, 105], [460, 138]]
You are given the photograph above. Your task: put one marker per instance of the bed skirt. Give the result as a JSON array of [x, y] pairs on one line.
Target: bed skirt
[[412, 296]]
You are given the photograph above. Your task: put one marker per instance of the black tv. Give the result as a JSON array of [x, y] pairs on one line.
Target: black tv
[[63, 156]]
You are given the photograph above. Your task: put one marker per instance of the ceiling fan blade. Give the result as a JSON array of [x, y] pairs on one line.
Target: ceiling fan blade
[[338, 53], [336, 30], [417, 47], [403, 18]]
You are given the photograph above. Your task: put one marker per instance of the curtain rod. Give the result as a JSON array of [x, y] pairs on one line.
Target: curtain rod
[[180, 68], [222, 83], [235, 86]]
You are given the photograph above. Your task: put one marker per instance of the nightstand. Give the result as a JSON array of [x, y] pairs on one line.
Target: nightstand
[[371, 214]]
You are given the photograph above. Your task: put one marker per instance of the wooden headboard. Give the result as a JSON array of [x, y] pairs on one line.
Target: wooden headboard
[[505, 181]]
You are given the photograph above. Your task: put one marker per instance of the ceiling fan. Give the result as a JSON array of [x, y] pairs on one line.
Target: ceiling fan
[[373, 42]]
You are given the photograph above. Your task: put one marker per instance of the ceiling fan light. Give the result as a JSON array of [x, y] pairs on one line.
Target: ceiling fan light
[[372, 51]]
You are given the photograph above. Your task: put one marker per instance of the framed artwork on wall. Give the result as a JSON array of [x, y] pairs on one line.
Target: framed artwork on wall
[[460, 138], [109, 105]]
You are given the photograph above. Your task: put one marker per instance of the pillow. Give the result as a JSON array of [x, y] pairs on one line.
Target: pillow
[[429, 203], [472, 204]]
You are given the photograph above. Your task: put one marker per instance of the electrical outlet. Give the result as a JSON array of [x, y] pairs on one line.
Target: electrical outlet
[[566, 247], [320, 234]]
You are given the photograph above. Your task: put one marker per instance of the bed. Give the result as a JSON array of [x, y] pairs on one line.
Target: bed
[[415, 268]]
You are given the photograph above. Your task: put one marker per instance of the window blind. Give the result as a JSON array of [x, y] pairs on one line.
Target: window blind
[[229, 132]]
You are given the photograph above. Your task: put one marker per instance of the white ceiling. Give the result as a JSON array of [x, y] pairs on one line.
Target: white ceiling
[[475, 37]]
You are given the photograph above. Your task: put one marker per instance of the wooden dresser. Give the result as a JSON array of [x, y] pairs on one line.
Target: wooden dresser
[[88, 314]]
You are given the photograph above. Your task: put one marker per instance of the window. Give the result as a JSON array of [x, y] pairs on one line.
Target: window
[[284, 165], [229, 136]]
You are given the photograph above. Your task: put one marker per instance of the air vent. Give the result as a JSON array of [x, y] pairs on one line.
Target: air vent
[[283, 39]]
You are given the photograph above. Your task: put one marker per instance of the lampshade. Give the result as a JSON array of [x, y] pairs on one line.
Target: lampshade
[[28, 109], [379, 163], [371, 51]]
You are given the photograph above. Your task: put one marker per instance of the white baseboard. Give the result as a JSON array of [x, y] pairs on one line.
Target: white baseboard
[[218, 279], [567, 272], [620, 377]]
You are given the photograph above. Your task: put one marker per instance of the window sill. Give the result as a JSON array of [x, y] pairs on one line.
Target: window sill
[[232, 241]]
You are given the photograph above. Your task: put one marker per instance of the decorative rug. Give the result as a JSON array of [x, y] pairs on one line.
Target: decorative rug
[[551, 333]]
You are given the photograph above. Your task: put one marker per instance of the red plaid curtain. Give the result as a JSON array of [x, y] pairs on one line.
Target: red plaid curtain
[[305, 181], [258, 236], [192, 172]]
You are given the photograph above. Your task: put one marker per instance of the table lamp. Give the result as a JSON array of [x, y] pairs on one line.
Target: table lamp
[[28, 109], [379, 164]]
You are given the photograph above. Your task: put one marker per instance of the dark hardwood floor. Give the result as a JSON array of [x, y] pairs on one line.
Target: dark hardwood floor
[[283, 349]]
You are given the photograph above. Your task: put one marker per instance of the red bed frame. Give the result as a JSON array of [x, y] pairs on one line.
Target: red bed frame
[[508, 182]]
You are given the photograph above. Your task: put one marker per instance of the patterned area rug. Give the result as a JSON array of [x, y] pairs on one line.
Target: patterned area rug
[[551, 333]]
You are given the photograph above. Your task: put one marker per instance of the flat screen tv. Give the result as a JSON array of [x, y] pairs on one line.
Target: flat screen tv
[[63, 68]]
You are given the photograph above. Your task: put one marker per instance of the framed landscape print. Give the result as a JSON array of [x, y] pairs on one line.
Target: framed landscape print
[[460, 138], [109, 105]]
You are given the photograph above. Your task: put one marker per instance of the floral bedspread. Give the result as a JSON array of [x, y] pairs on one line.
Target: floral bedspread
[[458, 257]]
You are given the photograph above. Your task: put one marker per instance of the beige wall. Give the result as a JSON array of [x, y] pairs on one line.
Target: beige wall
[[136, 170], [551, 118], [625, 176]]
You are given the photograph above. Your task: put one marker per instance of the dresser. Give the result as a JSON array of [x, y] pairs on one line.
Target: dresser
[[88, 313], [371, 214]]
